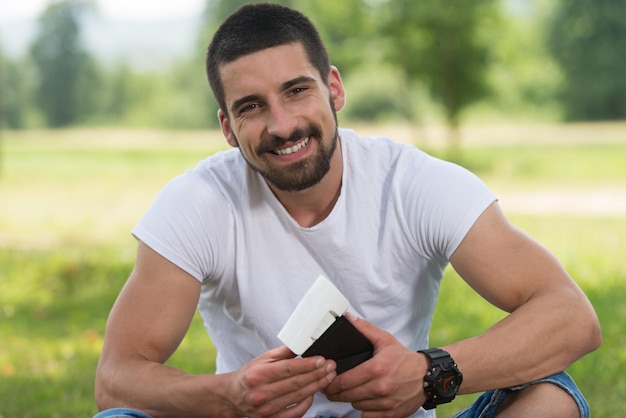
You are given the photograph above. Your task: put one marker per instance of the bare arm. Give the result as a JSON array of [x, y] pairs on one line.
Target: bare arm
[[146, 325], [551, 324]]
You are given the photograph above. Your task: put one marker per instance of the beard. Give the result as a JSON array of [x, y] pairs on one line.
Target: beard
[[302, 174], [306, 173]]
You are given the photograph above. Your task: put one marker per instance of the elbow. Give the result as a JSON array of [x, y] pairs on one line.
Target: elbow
[[595, 333], [588, 333], [103, 400], [102, 397], [102, 391], [579, 337]]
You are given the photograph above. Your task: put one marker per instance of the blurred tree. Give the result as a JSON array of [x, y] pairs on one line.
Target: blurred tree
[[118, 92], [89, 90], [13, 96], [588, 40], [346, 43], [445, 44], [376, 95], [59, 59], [524, 75]]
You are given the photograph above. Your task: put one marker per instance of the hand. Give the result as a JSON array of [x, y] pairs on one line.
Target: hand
[[390, 384], [277, 384]]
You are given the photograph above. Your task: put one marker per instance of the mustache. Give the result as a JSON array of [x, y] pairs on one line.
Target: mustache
[[274, 141]]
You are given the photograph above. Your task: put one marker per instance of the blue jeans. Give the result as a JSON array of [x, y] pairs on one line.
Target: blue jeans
[[489, 402], [484, 407]]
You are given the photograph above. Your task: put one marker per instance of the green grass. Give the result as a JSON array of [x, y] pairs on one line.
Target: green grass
[[69, 198]]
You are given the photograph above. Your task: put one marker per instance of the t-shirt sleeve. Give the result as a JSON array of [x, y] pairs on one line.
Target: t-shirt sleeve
[[180, 225], [443, 202]]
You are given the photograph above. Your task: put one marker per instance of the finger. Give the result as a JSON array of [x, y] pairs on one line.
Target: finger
[[285, 369], [349, 384], [296, 410], [360, 375], [292, 391], [271, 380], [300, 384], [296, 397], [279, 353]]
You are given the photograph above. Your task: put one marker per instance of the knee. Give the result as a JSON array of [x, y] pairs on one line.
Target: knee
[[544, 400]]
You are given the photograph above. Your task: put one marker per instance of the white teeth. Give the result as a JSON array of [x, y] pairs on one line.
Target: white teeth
[[293, 149]]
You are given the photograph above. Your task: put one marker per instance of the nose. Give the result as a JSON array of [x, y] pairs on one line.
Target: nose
[[281, 121]]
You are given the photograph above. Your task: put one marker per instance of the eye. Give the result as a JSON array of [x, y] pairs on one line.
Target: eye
[[248, 108], [297, 90]]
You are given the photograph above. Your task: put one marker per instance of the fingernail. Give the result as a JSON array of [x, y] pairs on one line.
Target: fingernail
[[351, 316], [319, 362], [331, 367], [331, 376]]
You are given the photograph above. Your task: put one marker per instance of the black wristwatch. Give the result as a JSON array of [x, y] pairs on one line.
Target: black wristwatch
[[443, 379]]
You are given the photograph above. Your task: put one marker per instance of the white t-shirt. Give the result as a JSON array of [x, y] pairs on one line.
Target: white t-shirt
[[400, 216]]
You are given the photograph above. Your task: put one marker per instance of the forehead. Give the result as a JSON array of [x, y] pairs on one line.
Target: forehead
[[265, 70]]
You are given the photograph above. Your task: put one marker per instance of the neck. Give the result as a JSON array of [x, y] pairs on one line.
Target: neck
[[311, 206]]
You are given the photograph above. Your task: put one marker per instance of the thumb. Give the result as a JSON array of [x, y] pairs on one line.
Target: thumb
[[370, 331], [279, 353]]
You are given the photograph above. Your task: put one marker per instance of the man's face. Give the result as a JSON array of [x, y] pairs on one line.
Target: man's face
[[281, 115]]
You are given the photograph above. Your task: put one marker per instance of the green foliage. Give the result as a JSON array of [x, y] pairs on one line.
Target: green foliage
[[13, 94], [117, 94], [345, 42], [549, 166], [177, 99], [523, 74], [444, 45], [60, 61], [427, 60], [375, 94], [54, 307], [588, 40], [196, 108]]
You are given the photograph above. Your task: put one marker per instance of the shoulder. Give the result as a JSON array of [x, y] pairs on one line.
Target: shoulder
[[382, 155], [380, 144], [213, 178], [203, 196], [409, 165], [222, 167]]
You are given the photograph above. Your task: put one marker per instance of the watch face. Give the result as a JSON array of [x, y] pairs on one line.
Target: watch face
[[447, 384]]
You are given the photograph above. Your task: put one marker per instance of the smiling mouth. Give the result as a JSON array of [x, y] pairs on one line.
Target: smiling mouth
[[292, 149]]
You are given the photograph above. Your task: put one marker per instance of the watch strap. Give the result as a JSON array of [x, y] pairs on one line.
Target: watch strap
[[440, 361]]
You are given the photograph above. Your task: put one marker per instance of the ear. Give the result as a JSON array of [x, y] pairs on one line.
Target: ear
[[226, 129], [337, 92]]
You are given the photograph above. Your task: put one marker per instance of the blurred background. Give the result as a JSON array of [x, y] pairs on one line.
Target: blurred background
[[103, 101], [140, 63]]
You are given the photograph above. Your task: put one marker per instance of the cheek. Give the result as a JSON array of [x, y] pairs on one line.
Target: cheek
[[242, 135], [248, 148]]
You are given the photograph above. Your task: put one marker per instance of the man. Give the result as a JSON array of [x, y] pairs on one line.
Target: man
[[245, 234]]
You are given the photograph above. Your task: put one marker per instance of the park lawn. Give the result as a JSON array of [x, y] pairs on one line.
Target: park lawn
[[69, 199]]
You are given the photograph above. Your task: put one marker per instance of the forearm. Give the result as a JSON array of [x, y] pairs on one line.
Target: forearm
[[162, 391], [541, 337], [273, 383]]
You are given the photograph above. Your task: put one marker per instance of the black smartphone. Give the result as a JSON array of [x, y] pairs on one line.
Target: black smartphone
[[343, 343]]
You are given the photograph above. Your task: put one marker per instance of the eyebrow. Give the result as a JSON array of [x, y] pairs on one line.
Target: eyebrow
[[240, 102], [298, 80], [255, 97]]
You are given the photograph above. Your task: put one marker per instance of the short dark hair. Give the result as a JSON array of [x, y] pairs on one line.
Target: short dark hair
[[259, 26]]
